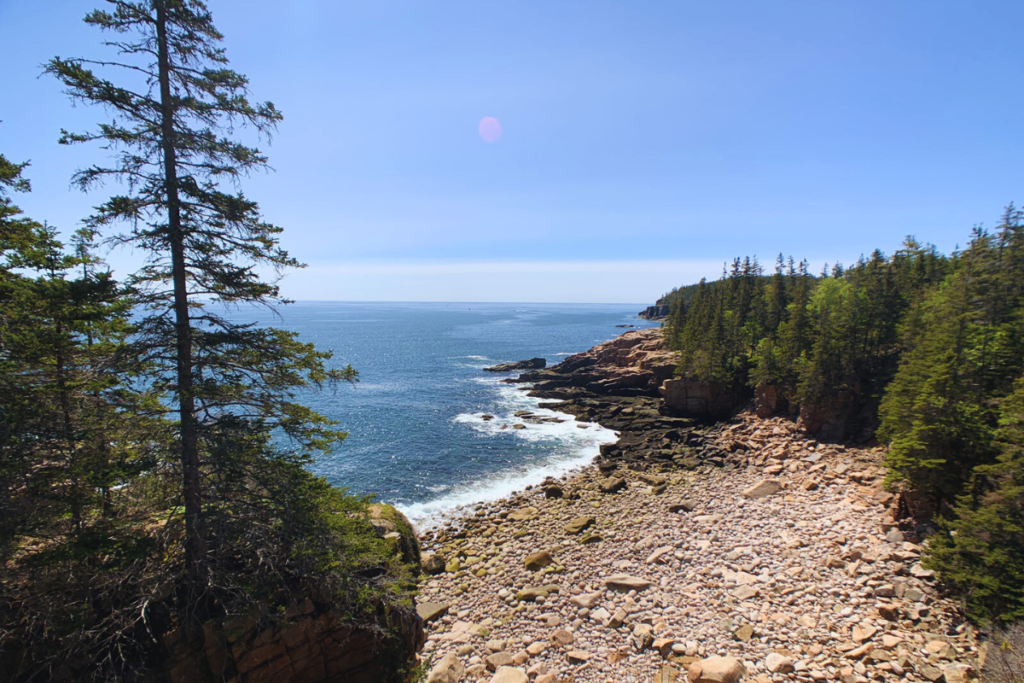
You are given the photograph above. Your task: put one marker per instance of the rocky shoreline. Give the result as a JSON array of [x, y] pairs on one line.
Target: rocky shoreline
[[686, 552]]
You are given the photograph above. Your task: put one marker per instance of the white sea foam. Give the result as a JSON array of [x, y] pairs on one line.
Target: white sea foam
[[571, 448], [458, 501]]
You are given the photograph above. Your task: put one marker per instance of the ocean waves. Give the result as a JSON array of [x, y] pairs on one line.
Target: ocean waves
[[561, 445]]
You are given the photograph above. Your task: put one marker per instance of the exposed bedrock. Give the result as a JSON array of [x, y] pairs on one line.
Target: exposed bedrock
[[619, 384], [532, 364]]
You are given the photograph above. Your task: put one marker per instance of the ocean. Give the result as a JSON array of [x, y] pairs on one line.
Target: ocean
[[415, 434]]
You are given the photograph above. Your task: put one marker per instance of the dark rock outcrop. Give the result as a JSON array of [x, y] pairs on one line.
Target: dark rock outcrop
[[770, 400], [702, 400], [309, 645], [834, 418], [310, 642], [532, 364], [656, 312]]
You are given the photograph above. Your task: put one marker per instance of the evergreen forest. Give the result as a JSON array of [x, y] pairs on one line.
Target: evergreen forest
[[920, 350], [152, 451]]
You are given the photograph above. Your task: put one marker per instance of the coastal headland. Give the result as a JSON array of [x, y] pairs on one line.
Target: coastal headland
[[691, 549]]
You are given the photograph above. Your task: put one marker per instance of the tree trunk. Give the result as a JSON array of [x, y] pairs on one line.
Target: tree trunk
[[194, 545]]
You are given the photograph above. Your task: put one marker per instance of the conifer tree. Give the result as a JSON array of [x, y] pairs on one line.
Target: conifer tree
[[966, 350], [231, 385], [982, 552]]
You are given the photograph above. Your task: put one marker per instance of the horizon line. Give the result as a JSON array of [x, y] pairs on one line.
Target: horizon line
[[433, 301]]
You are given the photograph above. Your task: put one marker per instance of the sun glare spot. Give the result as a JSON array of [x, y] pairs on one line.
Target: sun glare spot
[[489, 129]]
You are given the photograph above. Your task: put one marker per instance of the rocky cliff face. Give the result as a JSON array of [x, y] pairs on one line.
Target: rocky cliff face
[[656, 312], [704, 400], [310, 646], [634, 364]]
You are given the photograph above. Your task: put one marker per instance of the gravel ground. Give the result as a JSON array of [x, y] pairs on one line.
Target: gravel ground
[[784, 559]]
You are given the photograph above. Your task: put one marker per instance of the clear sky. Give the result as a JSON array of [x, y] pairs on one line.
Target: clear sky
[[641, 143]]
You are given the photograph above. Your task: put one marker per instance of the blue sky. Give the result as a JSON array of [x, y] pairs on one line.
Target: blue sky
[[644, 143]]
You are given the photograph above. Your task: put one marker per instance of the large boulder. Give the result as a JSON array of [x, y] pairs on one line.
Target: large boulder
[[393, 525], [716, 670], [448, 670], [431, 611], [433, 563], [524, 514], [509, 674], [779, 664]]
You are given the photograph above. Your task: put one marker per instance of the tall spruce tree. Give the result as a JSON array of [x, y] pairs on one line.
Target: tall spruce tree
[[231, 385], [981, 553]]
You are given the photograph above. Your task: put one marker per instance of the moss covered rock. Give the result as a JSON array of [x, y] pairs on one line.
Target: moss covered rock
[[392, 524]]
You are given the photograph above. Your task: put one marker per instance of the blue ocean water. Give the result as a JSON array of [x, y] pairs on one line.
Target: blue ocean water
[[416, 438]]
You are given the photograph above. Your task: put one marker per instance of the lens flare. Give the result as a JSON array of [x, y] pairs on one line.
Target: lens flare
[[489, 129]]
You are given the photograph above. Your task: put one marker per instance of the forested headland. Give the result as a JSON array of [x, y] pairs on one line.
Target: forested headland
[[156, 518], [921, 350]]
